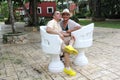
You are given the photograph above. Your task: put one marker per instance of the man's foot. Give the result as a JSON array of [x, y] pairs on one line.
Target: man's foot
[[70, 72], [70, 49]]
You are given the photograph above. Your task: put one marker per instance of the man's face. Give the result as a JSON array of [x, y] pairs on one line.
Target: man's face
[[65, 16], [57, 15]]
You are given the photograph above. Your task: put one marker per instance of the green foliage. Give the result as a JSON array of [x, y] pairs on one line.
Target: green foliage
[[88, 14], [75, 18], [83, 9], [105, 8], [4, 9], [44, 20], [111, 9], [83, 14], [106, 24]]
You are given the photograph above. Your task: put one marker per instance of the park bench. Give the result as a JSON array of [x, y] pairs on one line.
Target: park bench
[[51, 44]]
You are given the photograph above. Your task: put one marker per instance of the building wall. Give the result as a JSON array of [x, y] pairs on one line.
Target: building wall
[[44, 8]]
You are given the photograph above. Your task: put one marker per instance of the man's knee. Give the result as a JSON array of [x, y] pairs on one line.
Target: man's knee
[[72, 38]]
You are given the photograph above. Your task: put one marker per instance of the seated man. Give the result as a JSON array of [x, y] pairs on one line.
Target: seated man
[[53, 27]]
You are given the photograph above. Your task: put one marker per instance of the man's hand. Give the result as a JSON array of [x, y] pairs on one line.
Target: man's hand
[[61, 36], [68, 31], [74, 29], [65, 34]]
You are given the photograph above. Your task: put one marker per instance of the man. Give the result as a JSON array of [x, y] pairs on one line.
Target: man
[[68, 26], [53, 27]]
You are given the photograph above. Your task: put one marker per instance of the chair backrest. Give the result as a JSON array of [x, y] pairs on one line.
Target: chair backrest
[[84, 36], [50, 43], [42, 31]]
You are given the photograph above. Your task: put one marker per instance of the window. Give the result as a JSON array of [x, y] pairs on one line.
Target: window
[[50, 10], [39, 10]]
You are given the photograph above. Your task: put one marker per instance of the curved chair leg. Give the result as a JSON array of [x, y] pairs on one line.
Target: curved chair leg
[[56, 65], [81, 59]]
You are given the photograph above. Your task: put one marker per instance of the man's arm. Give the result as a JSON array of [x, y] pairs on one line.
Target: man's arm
[[74, 29], [73, 26], [52, 31]]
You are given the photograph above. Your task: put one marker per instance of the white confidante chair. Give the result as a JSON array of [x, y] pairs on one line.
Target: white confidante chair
[[84, 39], [51, 44]]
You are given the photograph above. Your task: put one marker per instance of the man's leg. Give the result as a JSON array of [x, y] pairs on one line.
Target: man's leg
[[66, 59], [70, 43], [72, 40], [68, 70]]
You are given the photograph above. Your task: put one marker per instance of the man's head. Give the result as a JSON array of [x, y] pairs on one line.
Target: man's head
[[57, 15], [66, 14]]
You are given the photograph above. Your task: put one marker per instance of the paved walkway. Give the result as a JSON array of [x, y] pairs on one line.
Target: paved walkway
[[16, 61]]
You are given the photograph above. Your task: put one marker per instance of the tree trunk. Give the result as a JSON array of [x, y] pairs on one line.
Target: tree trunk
[[12, 19], [90, 2], [97, 13], [35, 19], [33, 8]]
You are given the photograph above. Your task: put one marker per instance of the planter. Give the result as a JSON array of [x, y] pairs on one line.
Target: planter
[[18, 37]]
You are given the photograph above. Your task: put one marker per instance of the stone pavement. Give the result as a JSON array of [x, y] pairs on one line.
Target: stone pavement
[[17, 60]]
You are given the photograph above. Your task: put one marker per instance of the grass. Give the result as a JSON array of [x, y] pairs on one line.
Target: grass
[[106, 24]]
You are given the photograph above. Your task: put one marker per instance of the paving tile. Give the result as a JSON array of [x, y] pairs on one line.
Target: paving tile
[[2, 73], [10, 71], [108, 77], [9, 78], [82, 78]]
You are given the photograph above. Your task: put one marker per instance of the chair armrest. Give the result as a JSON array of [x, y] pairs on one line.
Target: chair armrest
[[51, 43]]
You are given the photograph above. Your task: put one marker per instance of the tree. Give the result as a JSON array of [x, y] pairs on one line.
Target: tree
[[61, 1], [12, 19], [33, 8], [96, 11], [111, 9], [102, 9], [4, 8]]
